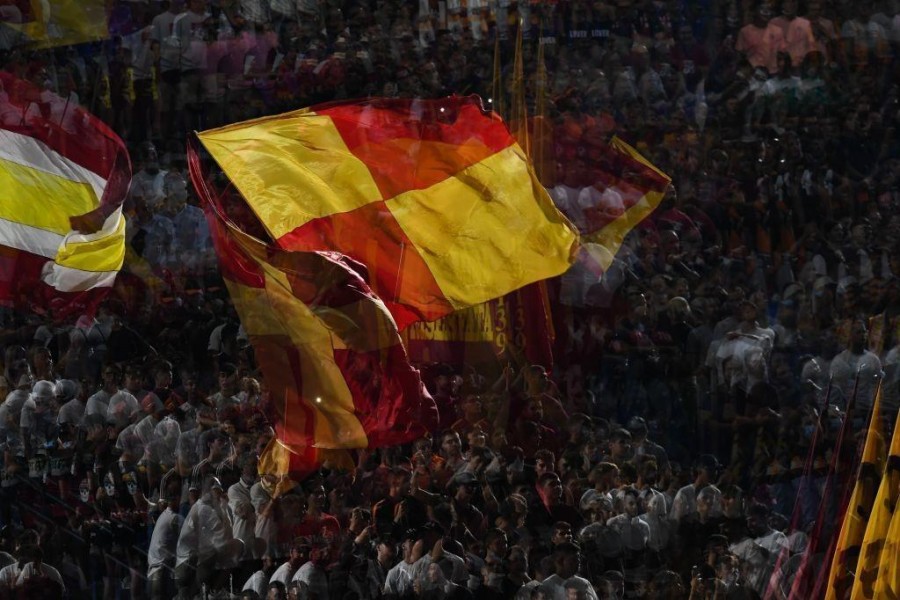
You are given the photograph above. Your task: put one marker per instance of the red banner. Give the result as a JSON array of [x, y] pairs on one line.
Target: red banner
[[516, 326]]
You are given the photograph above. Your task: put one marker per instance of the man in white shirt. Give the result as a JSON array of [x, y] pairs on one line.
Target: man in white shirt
[[265, 496], [36, 569], [744, 353], [313, 574], [761, 550], [9, 575], [433, 550], [241, 505], [855, 361], [68, 397], [229, 389], [19, 375], [163, 546], [98, 402], [634, 532], [259, 581], [437, 579], [298, 556], [685, 502], [30, 564], [123, 405], [206, 547], [38, 419], [567, 559], [399, 580]]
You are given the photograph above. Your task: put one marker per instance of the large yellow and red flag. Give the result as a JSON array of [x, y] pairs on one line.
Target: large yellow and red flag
[[63, 175], [857, 517], [329, 350], [434, 197], [875, 547], [51, 23], [606, 194], [887, 584], [627, 189]]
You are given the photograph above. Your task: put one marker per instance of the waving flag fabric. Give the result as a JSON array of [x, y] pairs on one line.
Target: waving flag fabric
[[868, 582], [628, 188], [606, 195], [434, 197], [329, 350], [887, 582], [51, 23], [63, 177]]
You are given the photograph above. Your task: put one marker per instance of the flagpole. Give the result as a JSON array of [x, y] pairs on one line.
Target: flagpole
[[497, 87], [400, 271], [783, 555], [813, 543], [846, 495], [518, 110]]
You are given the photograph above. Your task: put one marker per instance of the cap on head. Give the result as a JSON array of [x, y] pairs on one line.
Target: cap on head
[[66, 389], [43, 390]]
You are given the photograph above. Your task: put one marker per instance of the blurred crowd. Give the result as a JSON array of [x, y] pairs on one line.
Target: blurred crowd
[[667, 452]]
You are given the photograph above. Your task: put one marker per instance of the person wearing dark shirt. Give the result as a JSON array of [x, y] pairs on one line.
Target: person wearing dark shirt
[[548, 508]]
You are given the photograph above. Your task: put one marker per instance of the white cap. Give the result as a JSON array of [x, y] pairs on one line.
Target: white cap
[[43, 389]]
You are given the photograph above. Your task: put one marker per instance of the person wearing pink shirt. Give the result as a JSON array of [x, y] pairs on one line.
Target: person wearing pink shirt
[[761, 40], [822, 28], [798, 33]]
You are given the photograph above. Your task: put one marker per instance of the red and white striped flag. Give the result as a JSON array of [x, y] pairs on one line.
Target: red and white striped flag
[[63, 177]]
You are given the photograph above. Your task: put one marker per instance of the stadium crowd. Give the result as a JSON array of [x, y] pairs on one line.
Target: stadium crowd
[[663, 454]]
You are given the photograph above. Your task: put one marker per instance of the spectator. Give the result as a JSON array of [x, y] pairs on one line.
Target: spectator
[[705, 473], [206, 547], [567, 561], [164, 545], [856, 362], [240, 503], [399, 580]]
